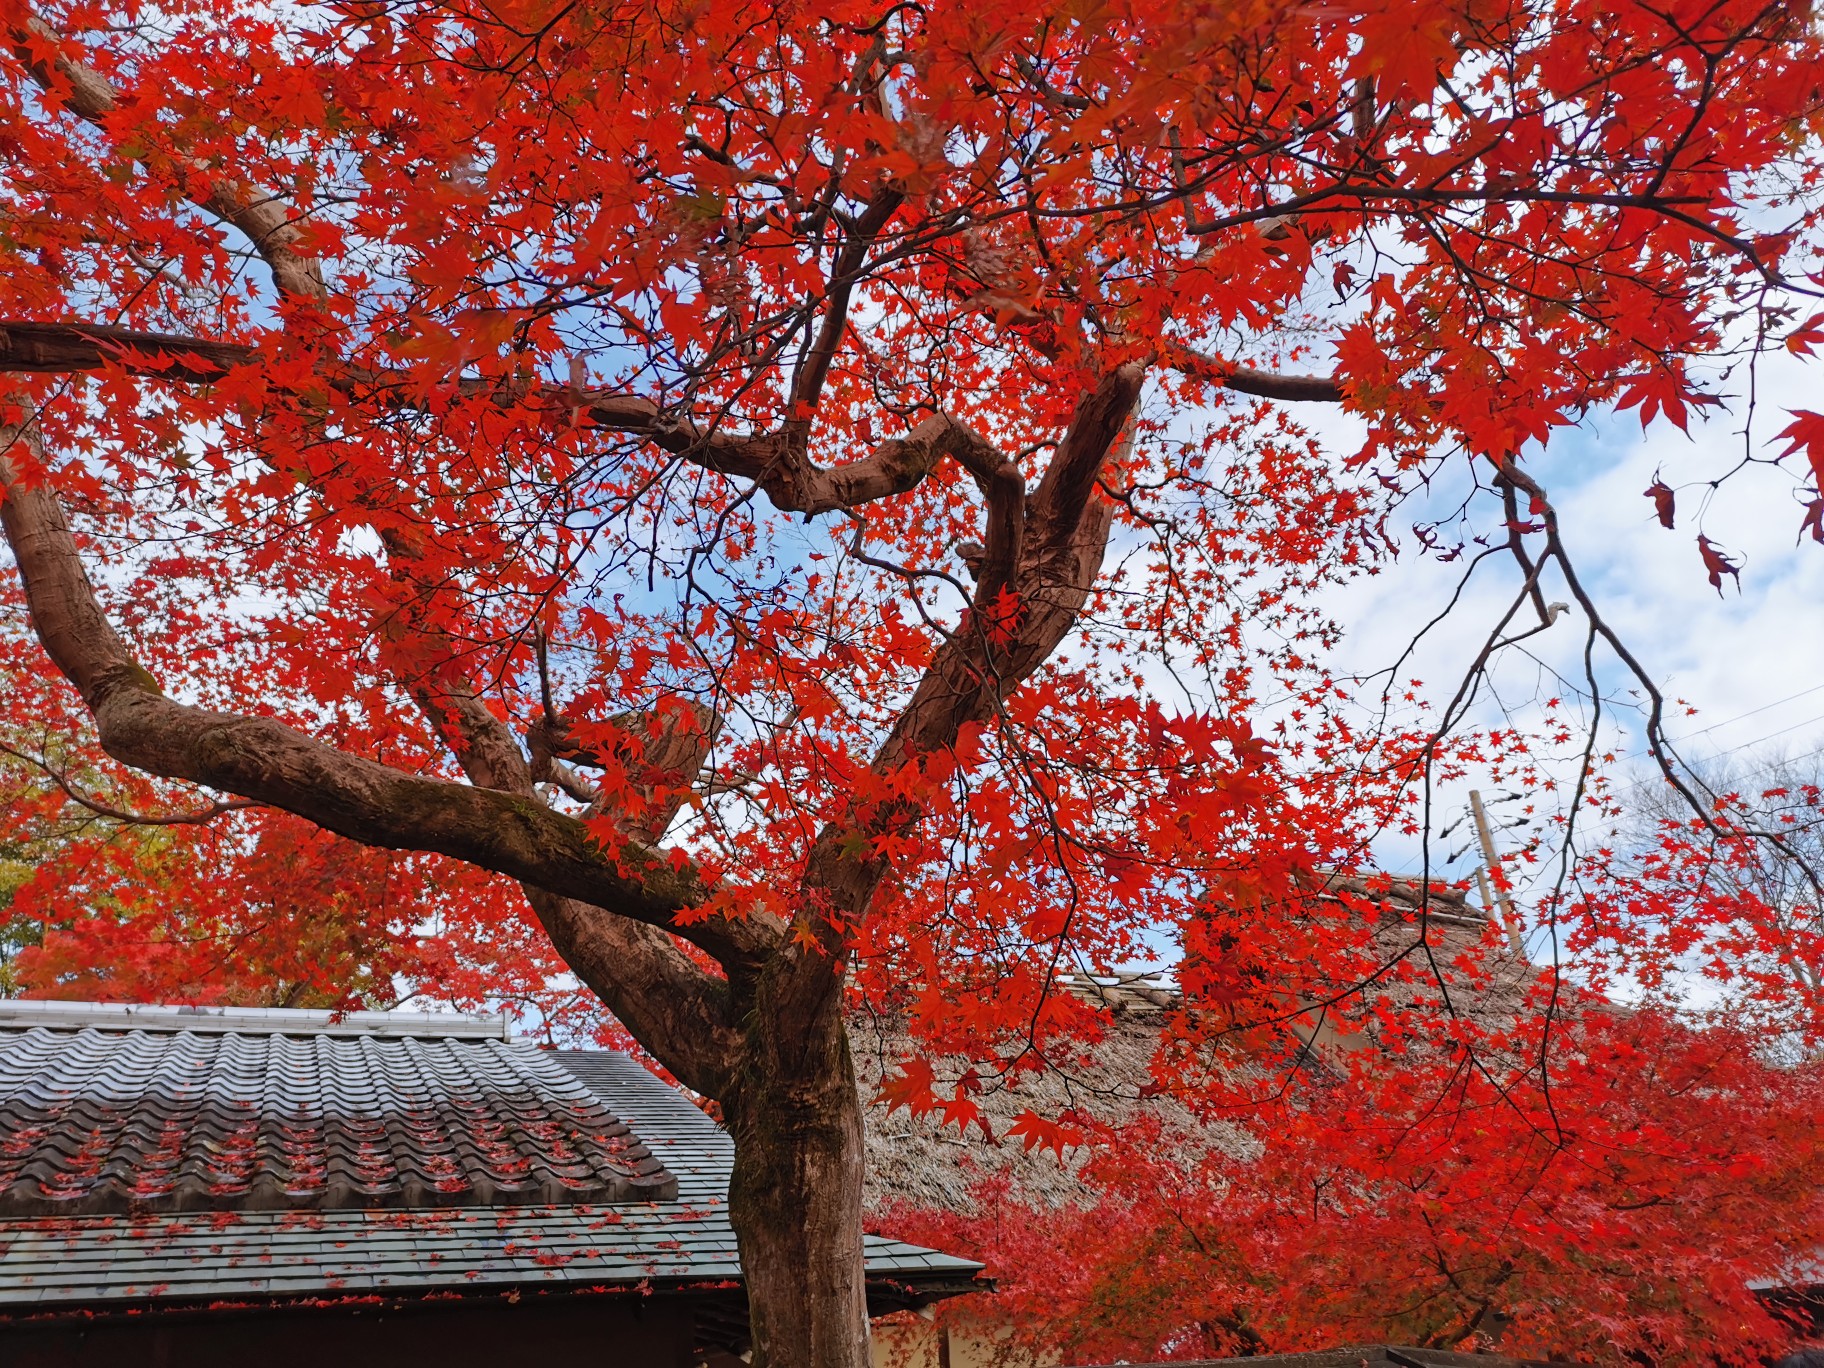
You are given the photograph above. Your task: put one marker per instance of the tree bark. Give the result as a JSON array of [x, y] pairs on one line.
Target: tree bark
[[795, 1197]]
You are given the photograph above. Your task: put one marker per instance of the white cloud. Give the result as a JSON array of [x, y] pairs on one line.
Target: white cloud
[[1751, 662]]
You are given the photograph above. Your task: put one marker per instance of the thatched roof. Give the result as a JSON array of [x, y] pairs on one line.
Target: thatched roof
[[1437, 930], [1362, 1356], [922, 1162]]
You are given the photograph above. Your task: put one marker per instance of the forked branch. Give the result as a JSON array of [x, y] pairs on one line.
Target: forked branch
[[262, 759]]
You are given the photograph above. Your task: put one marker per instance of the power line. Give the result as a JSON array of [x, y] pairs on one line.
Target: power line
[[1802, 693], [1613, 824], [1753, 769], [1739, 717], [1770, 735]]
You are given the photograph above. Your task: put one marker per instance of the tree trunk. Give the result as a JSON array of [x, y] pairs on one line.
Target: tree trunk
[[795, 1197]]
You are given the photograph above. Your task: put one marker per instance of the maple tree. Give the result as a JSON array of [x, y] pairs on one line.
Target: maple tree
[[109, 896], [1392, 1184], [806, 492], [1628, 1215], [1729, 893]]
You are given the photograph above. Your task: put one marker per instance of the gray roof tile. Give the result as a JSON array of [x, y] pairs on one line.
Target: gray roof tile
[[683, 1138], [315, 1249], [116, 1121]]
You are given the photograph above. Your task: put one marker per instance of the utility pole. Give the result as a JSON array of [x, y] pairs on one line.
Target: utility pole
[[1504, 906]]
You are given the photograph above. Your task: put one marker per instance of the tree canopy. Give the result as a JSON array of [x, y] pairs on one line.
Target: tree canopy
[[813, 495]]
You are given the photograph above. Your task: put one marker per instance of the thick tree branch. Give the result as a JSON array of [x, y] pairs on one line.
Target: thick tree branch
[[769, 460], [1263, 384], [1296, 388], [1070, 479], [262, 218], [796, 485], [1006, 529], [791, 481], [1061, 542], [671, 745], [809, 382], [263, 759], [1061, 539], [677, 1011], [572, 783], [85, 91], [673, 1007], [68, 348]]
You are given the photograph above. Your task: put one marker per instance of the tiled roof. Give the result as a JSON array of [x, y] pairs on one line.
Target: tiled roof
[[98, 1262], [700, 1153], [291, 1021], [1398, 897], [79, 1264], [97, 1120], [1135, 990], [692, 1147]]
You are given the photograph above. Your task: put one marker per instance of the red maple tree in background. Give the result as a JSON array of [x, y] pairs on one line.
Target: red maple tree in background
[[1639, 1210], [803, 492]]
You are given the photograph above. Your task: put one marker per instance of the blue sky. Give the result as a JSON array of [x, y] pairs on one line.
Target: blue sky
[[1751, 661]]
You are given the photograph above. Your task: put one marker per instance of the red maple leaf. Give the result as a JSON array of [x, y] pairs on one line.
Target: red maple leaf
[[1717, 564], [1805, 433]]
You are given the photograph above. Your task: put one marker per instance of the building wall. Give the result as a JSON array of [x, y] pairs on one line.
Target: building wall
[[579, 1332], [915, 1342]]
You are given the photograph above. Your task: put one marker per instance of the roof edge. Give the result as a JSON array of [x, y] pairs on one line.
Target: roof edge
[[898, 1291], [129, 1016]]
